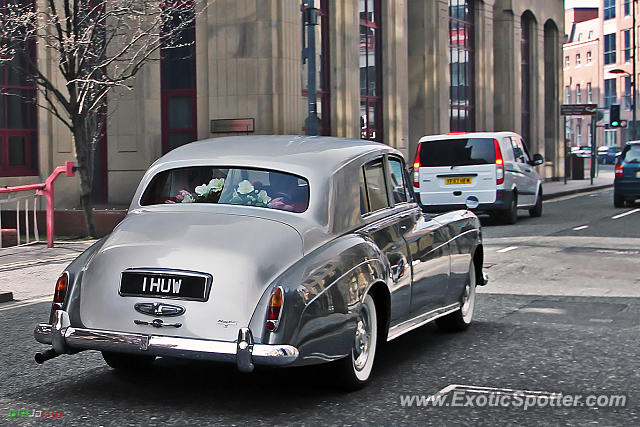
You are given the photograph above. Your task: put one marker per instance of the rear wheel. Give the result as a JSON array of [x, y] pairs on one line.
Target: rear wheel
[[536, 210], [510, 216], [460, 319], [355, 369], [618, 201], [127, 362]]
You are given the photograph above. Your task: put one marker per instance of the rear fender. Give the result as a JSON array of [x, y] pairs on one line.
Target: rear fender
[[323, 293]]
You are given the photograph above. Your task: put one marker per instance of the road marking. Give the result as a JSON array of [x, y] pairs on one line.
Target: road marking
[[625, 214], [510, 248], [26, 303], [582, 227]]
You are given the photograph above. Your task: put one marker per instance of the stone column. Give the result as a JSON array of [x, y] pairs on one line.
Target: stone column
[[395, 87], [255, 64], [507, 83], [428, 68]]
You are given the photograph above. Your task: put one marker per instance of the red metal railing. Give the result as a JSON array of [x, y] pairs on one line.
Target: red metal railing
[[44, 189]]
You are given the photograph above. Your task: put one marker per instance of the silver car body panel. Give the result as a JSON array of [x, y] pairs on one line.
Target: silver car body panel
[[326, 260]]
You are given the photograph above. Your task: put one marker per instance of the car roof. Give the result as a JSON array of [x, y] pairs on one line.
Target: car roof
[[301, 155], [637, 142], [458, 135]]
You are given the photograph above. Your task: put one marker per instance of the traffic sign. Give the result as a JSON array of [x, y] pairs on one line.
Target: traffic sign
[[578, 109]]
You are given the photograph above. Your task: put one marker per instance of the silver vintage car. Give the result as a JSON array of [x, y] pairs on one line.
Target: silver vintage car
[[268, 250]]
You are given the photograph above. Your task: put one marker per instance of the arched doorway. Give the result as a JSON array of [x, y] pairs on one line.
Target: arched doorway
[[551, 93]]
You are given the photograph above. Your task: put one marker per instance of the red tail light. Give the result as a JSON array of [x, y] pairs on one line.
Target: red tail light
[[619, 170], [60, 293], [416, 168], [499, 163], [274, 309]]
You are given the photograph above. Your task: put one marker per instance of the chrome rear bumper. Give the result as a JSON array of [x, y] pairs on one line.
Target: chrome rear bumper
[[243, 352]]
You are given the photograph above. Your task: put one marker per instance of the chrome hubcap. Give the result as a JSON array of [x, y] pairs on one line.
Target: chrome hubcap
[[469, 297], [362, 339]]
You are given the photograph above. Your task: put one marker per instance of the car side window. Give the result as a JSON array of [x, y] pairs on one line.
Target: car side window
[[525, 151], [518, 152], [398, 184], [376, 187]]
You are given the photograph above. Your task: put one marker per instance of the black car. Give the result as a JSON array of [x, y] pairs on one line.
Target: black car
[[608, 155], [626, 186]]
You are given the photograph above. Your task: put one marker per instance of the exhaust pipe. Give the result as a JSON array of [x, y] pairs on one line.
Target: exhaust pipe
[[46, 355]]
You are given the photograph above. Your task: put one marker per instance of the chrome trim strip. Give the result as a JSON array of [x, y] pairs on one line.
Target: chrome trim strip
[[77, 339], [416, 322]]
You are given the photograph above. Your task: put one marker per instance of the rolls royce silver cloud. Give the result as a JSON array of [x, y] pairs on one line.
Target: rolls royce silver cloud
[[268, 250]]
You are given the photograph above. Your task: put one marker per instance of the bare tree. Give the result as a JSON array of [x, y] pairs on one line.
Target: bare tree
[[97, 46]]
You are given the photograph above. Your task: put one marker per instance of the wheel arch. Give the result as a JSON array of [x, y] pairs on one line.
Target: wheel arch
[[382, 299]]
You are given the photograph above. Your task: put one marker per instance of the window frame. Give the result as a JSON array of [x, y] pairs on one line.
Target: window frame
[[405, 185], [368, 132], [466, 49], [30, 132], [167, 94], [363, 175], [609, 9], [609, 51]]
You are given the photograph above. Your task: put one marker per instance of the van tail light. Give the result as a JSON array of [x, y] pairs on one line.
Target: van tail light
[[416, 168], [274, 310], [619, 170], [499, 163], [59, 294]]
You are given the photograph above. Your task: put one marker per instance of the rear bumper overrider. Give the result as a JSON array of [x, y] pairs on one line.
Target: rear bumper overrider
[[243, 352]]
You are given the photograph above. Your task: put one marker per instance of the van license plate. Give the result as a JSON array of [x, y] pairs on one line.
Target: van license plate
[[454, 181]]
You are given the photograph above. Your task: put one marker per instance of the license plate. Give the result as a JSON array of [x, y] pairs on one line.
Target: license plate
[[185, 285], [453, 181]]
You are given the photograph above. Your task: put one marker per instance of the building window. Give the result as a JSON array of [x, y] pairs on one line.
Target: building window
[[610, 137], [609, 92], [578, 95], [527, 25], [578, 59], [370, 71], [18, 113], [627, 7], [609, 9], [627, 93], [323, 78], [579, 36], [627, 45], [567, 61], [178, 88], [567, 96], [589, 57], [589, 136], [590, 35], [610, 48], [589, 94], [461, 69], [579, 131]]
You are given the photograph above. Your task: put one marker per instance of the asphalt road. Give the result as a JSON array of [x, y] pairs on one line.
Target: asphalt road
[[536, 329]]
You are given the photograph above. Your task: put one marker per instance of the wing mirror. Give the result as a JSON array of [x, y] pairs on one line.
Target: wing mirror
[[537, 160]]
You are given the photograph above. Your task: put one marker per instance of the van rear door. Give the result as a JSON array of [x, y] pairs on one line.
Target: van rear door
[[453, 169]]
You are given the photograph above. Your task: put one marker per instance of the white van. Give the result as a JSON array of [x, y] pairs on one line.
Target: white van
[[492, 170]]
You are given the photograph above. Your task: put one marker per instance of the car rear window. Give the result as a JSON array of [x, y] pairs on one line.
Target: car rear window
[[457, 152], [632, 155], [228, 186]]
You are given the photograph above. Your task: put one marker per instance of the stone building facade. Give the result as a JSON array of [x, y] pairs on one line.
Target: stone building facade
[[389, 70]]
